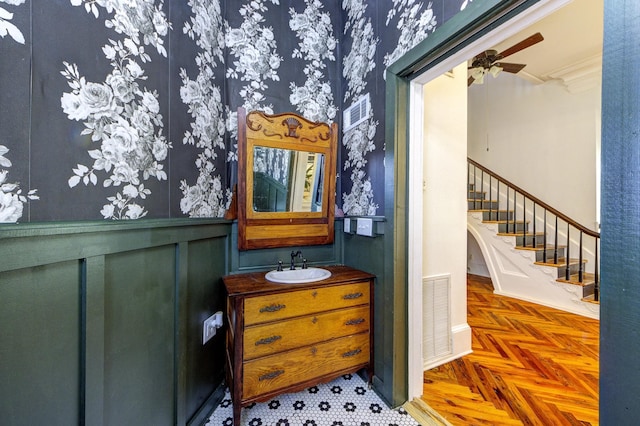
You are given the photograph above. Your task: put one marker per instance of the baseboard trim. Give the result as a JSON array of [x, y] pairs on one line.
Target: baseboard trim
[[202, 415], [461, 345]]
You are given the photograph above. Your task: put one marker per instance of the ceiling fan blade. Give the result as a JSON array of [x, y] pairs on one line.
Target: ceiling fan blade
[[527, 42], [470, 81], [512, 68]]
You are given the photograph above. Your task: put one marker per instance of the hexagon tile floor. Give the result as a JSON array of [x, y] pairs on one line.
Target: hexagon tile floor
[[346, 401]]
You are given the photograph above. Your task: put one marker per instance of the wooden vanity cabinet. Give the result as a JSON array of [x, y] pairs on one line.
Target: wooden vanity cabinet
[[286, 337]]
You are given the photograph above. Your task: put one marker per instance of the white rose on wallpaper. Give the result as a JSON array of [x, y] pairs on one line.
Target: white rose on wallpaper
[[206, 198], [6, 27], [141, 120], [150, 102], [122, 137], [98, 100], [73, 106], [122, 117], [190, 92], [11, 198], [123, 88], [10, 207]]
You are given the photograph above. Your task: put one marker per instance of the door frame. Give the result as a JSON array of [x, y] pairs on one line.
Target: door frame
[[480, 26]]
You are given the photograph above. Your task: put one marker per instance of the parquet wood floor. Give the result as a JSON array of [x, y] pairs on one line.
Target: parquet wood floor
[[531, 365]]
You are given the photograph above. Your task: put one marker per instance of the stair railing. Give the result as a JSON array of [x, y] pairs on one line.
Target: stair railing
[[476, 174]]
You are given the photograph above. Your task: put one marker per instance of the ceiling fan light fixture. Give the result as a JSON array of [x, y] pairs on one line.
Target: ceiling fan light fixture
[[478, 75], [495, 70]]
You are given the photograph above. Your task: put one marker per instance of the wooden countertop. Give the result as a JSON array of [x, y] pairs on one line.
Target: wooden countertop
[[254, 283]]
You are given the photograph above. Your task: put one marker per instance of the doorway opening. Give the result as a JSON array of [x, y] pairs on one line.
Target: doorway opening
[[416, 186]]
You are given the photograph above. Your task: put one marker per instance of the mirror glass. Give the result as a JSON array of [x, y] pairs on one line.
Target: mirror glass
[[286, 180]]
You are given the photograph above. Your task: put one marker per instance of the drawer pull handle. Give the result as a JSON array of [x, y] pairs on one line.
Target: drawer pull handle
[[272, 308], [268, 340], [354, 321], [352, 296], [351, 353], [271, 375]]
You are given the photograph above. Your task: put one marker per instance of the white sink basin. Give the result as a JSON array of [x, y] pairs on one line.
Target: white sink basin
[[298, 276]]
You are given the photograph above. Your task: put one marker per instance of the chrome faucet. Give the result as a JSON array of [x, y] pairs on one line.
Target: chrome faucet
[[294, 254]]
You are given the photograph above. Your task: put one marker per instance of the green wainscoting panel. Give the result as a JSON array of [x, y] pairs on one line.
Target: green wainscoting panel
[[139, 337], [204, 363], [367, 254], [102, 322], [39, 345]]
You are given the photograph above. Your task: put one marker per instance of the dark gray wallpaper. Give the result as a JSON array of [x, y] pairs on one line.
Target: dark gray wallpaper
[[124, 109]]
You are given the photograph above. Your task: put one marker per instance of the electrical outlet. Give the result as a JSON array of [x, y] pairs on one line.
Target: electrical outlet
[[208, 329], [365, 226]]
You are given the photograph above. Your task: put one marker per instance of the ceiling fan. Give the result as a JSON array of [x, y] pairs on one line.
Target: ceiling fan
[[488, 62]]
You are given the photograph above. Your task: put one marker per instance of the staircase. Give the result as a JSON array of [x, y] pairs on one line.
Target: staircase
[[532, 251]]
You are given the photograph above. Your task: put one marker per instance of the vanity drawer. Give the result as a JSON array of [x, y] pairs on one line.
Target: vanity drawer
[[275, 372], [304, 302], [266, 339]]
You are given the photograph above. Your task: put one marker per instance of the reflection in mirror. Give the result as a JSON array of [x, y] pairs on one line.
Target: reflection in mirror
[[286, 180]]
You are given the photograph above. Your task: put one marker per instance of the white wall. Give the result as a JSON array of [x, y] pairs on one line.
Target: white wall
[[540, 137], [444, 195]]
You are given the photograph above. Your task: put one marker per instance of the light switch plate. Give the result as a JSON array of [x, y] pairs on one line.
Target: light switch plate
[[347, 225], [365, 227]]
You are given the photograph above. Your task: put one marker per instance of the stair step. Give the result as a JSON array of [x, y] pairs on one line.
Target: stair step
[[476, 195], [517, 226], [475, 205], [561, 262], [540, 247], [529, 237], [588, 283], [494, 215], [587, 279], [591, 299], [561, 266]]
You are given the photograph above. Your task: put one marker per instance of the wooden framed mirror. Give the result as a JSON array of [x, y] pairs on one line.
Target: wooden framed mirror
[[286, 180]]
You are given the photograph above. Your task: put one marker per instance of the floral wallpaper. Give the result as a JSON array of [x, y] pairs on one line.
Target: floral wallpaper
[[313, 28], [127, 109], [360, 140], [12, 198], [121, 115], [207, 197]]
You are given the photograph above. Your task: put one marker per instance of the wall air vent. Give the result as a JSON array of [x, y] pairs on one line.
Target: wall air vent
[[436, 326], [356, 113]]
